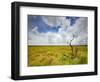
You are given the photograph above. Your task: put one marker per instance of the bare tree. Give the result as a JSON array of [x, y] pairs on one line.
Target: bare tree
[[70, 43], [73, 50]]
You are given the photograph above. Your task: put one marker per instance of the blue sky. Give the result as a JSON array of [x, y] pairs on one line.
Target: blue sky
[[42, 26], [56, 30]]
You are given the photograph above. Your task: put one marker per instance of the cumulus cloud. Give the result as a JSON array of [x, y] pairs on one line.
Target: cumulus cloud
[[80, 30], [51, 20], [48, 38], [54, 21], [64, 34]]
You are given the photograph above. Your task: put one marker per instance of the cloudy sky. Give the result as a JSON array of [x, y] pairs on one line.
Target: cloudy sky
[[57, 30]]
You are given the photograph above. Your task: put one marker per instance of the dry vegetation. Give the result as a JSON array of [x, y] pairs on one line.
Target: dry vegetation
[[57, 55]]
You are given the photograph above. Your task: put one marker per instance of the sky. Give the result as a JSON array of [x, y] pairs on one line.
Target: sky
[[57, 30]]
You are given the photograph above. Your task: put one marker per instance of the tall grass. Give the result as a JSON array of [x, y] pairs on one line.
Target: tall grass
[[56, 55]]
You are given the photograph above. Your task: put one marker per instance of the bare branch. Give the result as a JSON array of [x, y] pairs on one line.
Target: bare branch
[[73, 37], [70, 43]]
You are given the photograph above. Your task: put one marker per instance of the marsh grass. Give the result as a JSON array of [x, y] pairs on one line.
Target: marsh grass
[[56, 55]]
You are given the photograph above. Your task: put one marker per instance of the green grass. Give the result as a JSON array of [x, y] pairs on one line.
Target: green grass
[[56, 55]]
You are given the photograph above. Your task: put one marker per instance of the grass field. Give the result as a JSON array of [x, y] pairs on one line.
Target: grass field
[[56, 55]]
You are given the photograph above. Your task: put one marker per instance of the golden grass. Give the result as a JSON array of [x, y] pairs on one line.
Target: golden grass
[[56, 55]]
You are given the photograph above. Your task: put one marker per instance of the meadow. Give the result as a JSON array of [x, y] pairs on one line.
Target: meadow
[[57, 55]]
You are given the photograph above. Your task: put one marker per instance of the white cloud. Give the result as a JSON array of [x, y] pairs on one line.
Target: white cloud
[[65, 23], [79, 29], [51, 20], [54, 21], [63, 35]]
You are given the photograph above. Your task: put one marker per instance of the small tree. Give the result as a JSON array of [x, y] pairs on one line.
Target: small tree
[[70, 44], [73, 50]]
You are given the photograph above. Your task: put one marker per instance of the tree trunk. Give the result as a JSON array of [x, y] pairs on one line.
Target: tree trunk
[[72, 50]]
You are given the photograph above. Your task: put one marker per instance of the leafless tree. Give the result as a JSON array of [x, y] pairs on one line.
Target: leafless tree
[[70, 44], [73, 50]]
